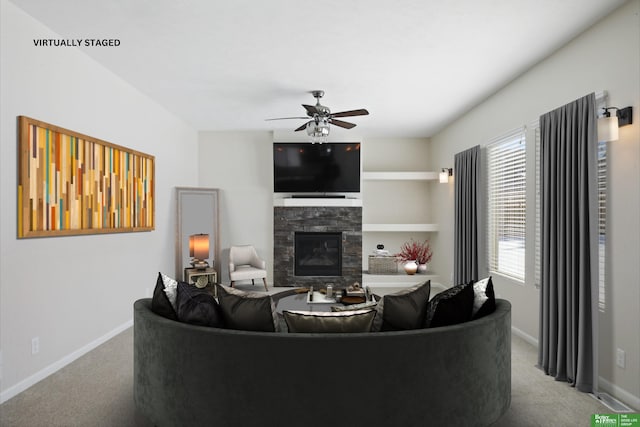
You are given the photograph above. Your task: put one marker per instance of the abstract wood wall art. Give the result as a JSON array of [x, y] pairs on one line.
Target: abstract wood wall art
[[71, 184]]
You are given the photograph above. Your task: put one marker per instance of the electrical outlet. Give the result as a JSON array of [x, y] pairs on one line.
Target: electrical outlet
[[35, 345], [620, 358]]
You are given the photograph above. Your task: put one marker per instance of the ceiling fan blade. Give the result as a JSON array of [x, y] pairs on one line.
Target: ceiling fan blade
[[302, 127], [311, 110], [342, 124], [287, 118], [360, 112]]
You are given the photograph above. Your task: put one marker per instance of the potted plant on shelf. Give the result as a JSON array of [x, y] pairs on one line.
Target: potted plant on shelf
[[415, 256]]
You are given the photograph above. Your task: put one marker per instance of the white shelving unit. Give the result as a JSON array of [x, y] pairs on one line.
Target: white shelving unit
[[400, 228], [392, 180], [399, 176]]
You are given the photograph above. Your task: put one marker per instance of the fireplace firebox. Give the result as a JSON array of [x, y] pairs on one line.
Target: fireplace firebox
[[318, 254]]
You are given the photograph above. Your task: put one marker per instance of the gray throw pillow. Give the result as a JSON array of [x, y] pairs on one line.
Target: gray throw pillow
[[403, 310], [329, 322], [247, 311]]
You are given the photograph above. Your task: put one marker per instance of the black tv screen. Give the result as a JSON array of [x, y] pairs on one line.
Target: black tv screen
[[316, 168]]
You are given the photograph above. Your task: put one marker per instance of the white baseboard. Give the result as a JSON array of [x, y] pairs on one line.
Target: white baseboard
[[54, 367], [528, 338], [619, 393]]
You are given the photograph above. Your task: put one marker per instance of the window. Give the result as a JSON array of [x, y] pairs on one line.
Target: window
[[506, 171]]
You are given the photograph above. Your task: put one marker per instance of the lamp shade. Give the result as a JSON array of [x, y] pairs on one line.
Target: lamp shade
[[444, 177], [608, 128], [199, 246]]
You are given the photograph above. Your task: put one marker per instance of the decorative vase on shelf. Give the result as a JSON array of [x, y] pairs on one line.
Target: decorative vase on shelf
[[422, 268], [410, 267]]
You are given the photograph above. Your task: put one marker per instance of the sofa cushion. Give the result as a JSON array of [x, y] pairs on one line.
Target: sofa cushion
[[247, 311], [163, 302], [403, 310], [450, 307], [198, 307], [484, 298], [329, 322]]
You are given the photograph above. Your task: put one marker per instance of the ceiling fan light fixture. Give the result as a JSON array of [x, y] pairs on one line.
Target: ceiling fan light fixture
[[318, 132]]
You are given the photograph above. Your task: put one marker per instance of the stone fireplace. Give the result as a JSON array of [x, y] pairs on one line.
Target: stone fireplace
[[317, 246]]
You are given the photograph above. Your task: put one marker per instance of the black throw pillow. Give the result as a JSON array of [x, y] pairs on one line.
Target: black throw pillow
[[198, 307], [484, 300], [404, 310], [247, 311], [450, 307], [160, 303]]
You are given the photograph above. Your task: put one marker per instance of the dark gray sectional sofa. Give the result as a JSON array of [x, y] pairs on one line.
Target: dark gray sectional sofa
[[186, 375]]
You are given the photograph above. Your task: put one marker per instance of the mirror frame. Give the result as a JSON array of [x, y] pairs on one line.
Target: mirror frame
[[213, 196]]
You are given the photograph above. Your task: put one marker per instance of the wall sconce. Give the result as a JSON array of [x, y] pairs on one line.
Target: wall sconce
[[199, 250], [608, 125], [445, 174]]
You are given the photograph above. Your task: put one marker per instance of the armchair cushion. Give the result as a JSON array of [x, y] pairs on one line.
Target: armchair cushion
[[245, 264]]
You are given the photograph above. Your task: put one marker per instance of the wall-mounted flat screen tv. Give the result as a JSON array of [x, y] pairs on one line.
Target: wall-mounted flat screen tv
[[316, 168]]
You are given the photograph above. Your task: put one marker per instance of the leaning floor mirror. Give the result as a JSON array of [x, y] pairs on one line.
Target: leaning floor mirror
[[197, 224]]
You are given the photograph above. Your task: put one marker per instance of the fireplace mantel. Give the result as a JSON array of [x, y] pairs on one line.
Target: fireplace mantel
[[317, 201]]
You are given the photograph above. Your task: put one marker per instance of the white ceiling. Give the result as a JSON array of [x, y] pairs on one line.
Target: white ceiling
[[229, 65]]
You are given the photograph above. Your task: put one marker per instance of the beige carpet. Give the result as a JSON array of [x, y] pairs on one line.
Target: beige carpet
[[97, 390]]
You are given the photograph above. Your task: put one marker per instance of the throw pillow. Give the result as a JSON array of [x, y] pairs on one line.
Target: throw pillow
[[484, 300], [247, 311], [329, 322], [450, 307], [160, 303], [403, 310], [198, 307]]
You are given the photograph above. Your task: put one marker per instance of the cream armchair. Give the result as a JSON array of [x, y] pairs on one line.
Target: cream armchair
[[245, 264]]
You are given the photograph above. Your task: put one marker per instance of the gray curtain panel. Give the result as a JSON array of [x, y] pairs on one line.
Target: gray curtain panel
[[467, 181], [569, 260]]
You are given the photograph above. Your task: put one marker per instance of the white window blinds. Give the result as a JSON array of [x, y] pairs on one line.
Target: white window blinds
[[506, 175]]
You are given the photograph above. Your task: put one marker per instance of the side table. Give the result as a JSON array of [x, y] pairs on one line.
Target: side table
[[201, 277]]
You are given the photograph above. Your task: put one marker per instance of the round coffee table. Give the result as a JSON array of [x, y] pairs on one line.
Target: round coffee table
[[297, 299]]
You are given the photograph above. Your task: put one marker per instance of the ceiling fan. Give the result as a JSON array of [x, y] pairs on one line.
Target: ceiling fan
[[321, 117]]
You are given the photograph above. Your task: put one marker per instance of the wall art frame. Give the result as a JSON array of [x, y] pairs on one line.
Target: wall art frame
[[73, 184]]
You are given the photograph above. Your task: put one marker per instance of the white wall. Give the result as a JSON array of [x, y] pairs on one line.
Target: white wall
[[240, 164], [73, 292], [605, 57]]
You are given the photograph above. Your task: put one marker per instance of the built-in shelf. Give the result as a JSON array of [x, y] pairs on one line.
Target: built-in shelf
[[317, 201], [399, 176], [401, 279], [400, 227]]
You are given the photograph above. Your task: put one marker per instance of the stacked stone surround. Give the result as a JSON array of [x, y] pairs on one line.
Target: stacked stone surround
[[289, 220]]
